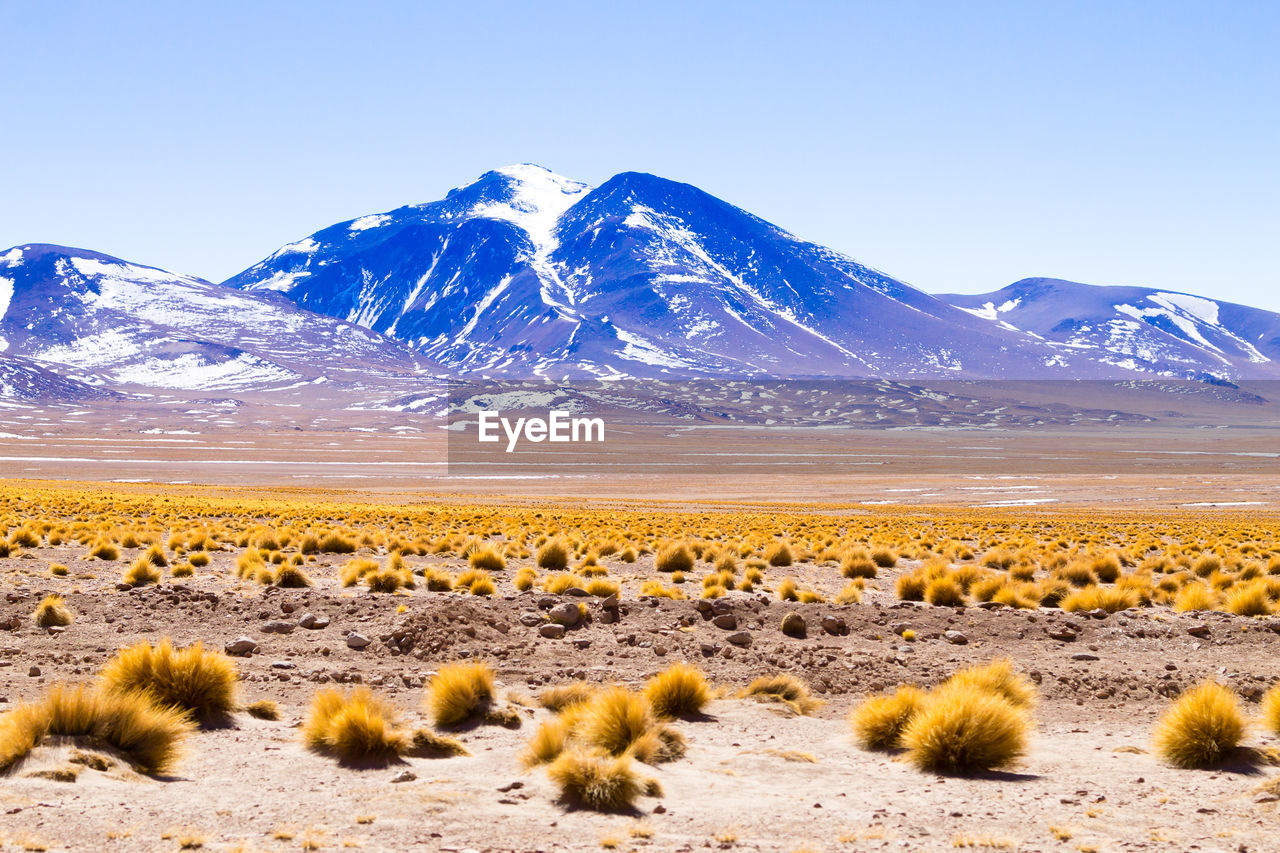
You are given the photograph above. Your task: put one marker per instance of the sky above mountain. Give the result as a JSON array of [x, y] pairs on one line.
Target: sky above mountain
[[958, 147]]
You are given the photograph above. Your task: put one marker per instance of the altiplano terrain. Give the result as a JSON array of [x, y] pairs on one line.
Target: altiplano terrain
[[625, 606]]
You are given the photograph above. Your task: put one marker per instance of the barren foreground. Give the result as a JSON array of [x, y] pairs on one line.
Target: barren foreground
[[755, 776]]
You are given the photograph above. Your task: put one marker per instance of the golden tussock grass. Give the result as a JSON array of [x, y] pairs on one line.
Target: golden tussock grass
[[678, 691], [564, 696], [291, 577], [141, 573], [487, 558], [595, 782], [614, 719], [52, 611], [1201, 728], [428, 744], [778, 554], [263, 709], [674, 558], [356, 727], [150, 736], [548, 741], [199, 559], [785, 689], [459, 692], [200, 682], [553, 556], [998, 677], [965, 729], [524, 579], [103, 551], [1271, 709], [879, 721]]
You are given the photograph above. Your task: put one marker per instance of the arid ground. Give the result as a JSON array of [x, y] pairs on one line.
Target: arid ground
[[755, 776]]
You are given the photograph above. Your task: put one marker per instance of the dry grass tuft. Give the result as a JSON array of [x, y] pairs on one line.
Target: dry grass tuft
[[263, 709], [141, 573], [547, 743], [681, 690], [564, 696], [1271, 709], [429, 744], [783, 688], [459, 692], [965, 729], [1201, 727], [878, 723], [355, 728], [192, 679], [595, 782], [614, 720], [52, 612], [1000, 678], [553, 556], [149, 736]]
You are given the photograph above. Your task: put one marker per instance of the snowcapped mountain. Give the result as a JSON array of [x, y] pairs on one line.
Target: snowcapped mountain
[[524, 272], [98, 321], [1140, 329], [527, 274]]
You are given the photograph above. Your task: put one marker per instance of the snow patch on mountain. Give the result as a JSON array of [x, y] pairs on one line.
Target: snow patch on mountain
[[373, 220]]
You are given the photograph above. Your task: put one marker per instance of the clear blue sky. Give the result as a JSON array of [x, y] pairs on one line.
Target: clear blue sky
[[955, 145]]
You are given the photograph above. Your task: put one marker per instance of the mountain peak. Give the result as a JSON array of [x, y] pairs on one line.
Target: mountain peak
[[534, 200]]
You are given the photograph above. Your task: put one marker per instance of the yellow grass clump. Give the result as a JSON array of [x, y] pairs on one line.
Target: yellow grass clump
[[200, 682], [356, 727], [879, 721], [553, 556], [674, 558], [1271, 709], [150, 736], [785, 689], [564, 696], [678, 691], [1201, 727], [964, 729], [599, 783], [1000, 678], [488, 559], [52, 611], [459, 692], [141, 573]]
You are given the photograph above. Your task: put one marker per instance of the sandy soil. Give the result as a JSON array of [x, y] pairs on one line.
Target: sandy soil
[[747, 782]]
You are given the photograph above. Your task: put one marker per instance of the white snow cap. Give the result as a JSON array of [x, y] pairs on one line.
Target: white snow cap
[[540, 198]]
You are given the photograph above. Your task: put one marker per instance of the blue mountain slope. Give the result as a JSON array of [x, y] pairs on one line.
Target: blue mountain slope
[[102, 321], [1140, 329], [526, 272]]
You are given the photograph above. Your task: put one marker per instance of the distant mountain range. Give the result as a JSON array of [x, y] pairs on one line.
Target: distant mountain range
[[524, 273]]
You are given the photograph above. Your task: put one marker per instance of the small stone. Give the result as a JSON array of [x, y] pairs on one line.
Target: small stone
[[727, 621], [1066, 635], [530, 620], [357, 641], [709, 649], [793, 625], [278, 626], [577, 592], [313, 622], [1198, 630], [740, 638], [552, 631], [835, 626], [955, 638], [283, 664], [566, 614], [241, 646], [404, 776], [123, 587], [660, 650], [1083, 656], [34, 672]]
